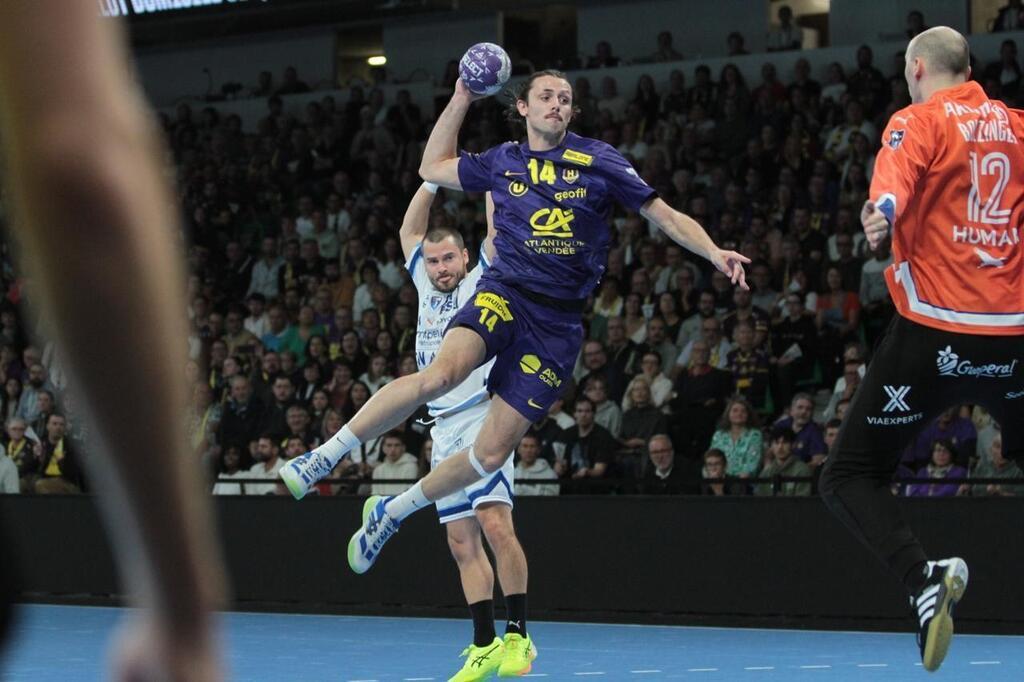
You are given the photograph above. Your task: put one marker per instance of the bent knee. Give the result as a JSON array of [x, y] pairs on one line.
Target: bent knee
[[491, 460]]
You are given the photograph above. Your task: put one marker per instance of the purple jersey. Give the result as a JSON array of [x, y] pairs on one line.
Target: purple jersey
[[551, 210]]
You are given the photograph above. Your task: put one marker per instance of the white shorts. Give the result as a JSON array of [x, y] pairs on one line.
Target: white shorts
[[452, 434]]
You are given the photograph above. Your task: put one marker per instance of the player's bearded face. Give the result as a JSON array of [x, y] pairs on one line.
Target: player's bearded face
[[446, 264], [548, 108]]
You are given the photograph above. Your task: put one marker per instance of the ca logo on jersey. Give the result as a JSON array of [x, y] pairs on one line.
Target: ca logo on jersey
[[570, 175], [517, 189], [552, 222]]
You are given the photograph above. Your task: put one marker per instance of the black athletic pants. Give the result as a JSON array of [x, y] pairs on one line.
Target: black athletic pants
[[916, 373]]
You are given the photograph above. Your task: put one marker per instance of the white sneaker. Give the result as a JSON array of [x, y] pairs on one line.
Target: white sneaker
[[366, 543], [947, 581], [302, 473]]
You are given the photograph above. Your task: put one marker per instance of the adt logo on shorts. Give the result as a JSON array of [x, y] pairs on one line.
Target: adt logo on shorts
[[896, 138], [897, 399]]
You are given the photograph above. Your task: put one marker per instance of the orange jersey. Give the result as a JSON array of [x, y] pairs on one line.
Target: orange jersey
[[950, 178]]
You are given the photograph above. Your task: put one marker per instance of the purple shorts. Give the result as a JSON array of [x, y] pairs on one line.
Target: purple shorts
[[536, 345]]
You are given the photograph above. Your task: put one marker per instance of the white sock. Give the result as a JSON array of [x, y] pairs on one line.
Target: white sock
[[339, 445], [411, 500]]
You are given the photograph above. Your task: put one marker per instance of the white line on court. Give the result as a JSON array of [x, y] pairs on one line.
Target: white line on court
[[256, 614], [814, 667], [760, 667], [644, 672], [985, 662], [702, 670], [872, 665]]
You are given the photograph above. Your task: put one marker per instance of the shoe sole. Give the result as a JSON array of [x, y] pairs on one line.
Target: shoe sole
[[292, 482], [353, 543], [524, 671], [940, 630], [481, 678]]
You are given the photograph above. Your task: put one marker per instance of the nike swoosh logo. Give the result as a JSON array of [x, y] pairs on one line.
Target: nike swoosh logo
[[510, 173], [533, 404]]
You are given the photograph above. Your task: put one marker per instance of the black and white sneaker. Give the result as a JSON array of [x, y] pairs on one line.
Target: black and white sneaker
[[933, 606]]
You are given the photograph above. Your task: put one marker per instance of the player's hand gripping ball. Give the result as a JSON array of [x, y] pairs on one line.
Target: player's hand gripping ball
[[485, 68]]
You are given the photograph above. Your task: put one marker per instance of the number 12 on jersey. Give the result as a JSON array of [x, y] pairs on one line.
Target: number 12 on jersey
[[989, 213]]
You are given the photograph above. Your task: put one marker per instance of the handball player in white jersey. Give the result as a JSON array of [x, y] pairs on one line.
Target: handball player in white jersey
[[437, 261]]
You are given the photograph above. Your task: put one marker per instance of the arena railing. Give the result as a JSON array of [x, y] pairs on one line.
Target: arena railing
[[631, 486]]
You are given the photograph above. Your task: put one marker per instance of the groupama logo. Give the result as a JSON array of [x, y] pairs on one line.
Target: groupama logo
[[949, 364]]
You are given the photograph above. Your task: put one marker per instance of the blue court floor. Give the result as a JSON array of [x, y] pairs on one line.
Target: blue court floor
[[68, 643]]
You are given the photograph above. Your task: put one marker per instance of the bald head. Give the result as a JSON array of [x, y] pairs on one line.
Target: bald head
[[943, 49], [936, 58]]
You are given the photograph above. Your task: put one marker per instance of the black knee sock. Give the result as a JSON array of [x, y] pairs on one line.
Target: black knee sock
[[483, 622], [515, 604]]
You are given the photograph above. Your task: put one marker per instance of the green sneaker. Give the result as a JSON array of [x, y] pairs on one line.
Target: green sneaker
[[519, 656], [377, 528], [481, 662]]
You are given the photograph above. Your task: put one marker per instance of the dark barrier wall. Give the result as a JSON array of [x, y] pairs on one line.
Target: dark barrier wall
[[630, 558]]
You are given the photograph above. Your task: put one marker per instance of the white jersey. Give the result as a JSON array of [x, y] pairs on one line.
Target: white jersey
[[436, 310]]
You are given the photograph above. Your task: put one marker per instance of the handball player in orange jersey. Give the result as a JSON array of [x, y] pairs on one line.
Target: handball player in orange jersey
[[947, 191]]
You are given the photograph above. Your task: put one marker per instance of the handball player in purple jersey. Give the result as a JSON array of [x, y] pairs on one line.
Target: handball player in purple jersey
[[552, 197]]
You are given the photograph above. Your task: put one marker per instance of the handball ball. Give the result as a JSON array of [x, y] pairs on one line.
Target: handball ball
[[485, 68]]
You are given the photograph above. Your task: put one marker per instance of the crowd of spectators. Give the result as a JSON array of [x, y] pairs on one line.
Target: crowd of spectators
[[300, 307]]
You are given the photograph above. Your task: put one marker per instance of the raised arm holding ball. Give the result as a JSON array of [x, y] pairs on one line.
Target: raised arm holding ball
[[552, 197]]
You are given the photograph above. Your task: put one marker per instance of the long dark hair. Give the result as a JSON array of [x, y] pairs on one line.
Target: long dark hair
[[521, 90]]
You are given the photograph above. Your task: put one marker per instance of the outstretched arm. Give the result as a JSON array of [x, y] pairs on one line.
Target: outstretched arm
[[98, 234], [416, 219], [688, 233], [440, 164]]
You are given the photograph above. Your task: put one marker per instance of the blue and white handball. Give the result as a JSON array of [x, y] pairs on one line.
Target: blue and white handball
[[485, 68]]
